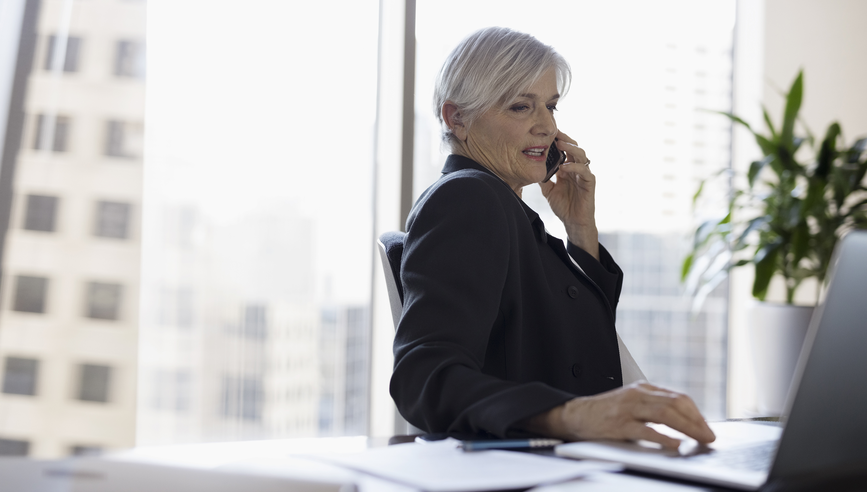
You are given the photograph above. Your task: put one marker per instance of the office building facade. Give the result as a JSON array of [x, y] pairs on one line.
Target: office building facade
[[72, 167]]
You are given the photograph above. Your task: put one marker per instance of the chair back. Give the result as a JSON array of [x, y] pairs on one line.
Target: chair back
[[390, 252]]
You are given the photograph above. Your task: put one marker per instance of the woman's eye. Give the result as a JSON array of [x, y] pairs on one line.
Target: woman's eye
[[552, 107], [520, 107]]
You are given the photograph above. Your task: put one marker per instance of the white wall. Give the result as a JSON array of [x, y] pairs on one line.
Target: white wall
[[828, 39]]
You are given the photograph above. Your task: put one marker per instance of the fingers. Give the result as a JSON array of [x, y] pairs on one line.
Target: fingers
[[642, 431], [675, 410], [574, 153], [575, 169]]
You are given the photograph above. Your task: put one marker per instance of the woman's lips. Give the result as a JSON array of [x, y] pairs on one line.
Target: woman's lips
[[535, 153]]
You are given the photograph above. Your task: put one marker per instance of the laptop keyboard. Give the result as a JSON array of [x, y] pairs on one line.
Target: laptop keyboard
[[757, 457]]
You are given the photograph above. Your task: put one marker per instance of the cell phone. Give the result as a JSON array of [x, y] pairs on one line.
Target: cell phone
[[555, 158]]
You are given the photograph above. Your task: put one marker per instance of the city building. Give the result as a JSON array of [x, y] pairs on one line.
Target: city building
[[71, 250]]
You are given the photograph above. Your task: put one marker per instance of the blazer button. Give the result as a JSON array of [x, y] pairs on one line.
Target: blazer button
[[576, 370], [572, 291]]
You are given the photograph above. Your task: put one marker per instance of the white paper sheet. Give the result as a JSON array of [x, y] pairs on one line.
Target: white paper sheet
[[443, 467]]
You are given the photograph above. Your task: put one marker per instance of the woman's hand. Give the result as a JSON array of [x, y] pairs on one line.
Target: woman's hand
[[573, 196], [622, 414]]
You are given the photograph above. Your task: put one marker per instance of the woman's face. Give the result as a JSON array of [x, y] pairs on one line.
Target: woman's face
[[513, 141]]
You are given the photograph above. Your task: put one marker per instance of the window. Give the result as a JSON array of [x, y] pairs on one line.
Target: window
[[40, 213], [69, 47], [19, 377], [30, 294], [242, 398], [646, 240], [124, 139], [112, 220], [255, 321], [129, 59], [52, 133], [103, 300], [94, 383], [14, 447]]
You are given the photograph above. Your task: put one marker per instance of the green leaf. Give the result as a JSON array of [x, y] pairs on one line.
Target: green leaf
[[736, 120], [687, 265], [793, 105], [766, 262], [814, 199], [697, 193], [751, 226], [828, 151], [800, 242], [756, 168], [768, 148]]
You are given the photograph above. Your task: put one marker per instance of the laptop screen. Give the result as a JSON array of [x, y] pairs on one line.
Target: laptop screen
[[826, 430]]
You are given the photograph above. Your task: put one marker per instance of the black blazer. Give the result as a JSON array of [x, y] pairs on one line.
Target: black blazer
[[498, 324]]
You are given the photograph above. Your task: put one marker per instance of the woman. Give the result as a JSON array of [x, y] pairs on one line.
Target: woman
[[504, 330]]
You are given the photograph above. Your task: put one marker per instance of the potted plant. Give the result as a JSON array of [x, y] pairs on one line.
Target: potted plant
[[785, 219]]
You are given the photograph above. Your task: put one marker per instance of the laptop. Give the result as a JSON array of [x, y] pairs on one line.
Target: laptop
[[825, 434]]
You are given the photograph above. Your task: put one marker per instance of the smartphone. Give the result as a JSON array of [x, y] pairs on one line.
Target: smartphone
[[555, 158]]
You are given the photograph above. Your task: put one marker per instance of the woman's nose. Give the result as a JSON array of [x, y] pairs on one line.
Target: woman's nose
[[545, 124]]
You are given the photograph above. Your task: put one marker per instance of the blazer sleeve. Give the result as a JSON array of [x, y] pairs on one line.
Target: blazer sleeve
[[454, 267], [605, 272]]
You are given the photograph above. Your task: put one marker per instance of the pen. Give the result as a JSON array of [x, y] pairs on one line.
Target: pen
[[509, 444]]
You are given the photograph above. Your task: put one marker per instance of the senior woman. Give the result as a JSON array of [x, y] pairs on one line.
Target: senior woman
[[504, 330]]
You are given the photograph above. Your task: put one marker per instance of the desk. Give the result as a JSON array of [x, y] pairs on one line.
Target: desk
[[267, 457]]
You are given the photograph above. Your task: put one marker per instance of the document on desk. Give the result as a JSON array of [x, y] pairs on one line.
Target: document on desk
[[443, 467]]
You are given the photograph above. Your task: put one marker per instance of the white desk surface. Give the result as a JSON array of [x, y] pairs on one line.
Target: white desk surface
[[267, 464], [270, 456]]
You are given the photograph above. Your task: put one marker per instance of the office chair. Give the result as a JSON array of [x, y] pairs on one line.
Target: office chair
[[390, 251]]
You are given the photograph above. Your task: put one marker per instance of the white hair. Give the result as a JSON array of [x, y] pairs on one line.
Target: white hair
[[492, 67]]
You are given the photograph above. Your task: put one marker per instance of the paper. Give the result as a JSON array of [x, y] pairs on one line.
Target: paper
[[443, 467]]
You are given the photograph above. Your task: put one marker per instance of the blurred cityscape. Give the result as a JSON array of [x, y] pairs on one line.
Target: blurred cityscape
[[231, 344], [130, 317]]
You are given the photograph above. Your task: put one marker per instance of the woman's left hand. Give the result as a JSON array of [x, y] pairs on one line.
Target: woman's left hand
[[573, 196]]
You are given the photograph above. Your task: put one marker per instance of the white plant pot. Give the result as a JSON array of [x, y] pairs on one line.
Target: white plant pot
[[778, 333]]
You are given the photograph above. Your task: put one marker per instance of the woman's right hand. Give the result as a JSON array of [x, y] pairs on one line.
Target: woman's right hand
[[622, 414]]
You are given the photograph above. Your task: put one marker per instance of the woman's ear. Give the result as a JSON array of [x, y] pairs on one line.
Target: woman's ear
[[454, 120]]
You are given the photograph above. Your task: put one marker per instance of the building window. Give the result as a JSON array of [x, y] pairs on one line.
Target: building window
[[129, 59], [14, 447], [40, 213], [30, 294], [103, 300], [52, 133], [242, 397], [124, 139], [19, 377], [112, 219], [56, 50], [94, 383], [255, 321]]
